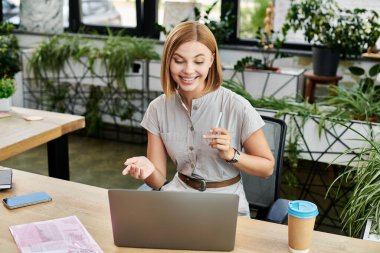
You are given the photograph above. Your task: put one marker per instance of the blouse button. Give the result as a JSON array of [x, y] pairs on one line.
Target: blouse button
[[195, 107], [192, 165], [191, 148], [192, 128]]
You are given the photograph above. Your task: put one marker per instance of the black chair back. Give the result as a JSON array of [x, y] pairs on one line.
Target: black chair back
[[261, 193]]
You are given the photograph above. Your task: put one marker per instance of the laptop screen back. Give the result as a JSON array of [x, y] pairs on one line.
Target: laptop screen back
[[173, 220]]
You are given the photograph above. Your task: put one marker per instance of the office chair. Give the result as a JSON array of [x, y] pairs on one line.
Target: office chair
[[263, 194]]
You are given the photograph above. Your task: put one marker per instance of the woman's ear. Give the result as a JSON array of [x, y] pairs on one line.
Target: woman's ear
[[212, 60]]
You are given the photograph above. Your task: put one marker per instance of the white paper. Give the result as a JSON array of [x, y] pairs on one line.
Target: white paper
[[54, 236]]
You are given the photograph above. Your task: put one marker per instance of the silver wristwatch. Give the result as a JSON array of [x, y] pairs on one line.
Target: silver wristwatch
[[236, 157]]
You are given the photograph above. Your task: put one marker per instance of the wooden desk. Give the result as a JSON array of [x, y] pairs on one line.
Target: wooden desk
[[18, 135], [90, 205]]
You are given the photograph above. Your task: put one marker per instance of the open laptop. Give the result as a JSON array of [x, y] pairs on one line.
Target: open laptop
[[174, 220]]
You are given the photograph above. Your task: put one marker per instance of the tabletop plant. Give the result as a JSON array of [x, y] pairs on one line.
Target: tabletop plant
[[7, 87]]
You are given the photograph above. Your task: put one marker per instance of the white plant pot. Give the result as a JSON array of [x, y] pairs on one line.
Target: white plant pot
[[287, 82], [367, 233], [5, 104]]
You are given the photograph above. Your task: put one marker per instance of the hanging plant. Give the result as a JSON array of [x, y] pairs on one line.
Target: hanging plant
[[119, 53], [51, 56], [58, 82]]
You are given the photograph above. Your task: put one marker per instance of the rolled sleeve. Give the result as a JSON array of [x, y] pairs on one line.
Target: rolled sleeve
[[150, 120], [252, 122]]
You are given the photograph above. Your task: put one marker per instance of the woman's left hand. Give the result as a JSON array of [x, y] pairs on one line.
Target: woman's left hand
[[220, 139]]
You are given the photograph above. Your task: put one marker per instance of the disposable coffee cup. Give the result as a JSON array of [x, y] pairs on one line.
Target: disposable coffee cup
[[301, 220]]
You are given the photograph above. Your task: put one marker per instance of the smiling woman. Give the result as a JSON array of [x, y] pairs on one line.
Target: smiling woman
[[180, 123], [189, 68]]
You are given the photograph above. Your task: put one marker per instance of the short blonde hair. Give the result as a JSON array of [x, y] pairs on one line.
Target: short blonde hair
[[186, 32]]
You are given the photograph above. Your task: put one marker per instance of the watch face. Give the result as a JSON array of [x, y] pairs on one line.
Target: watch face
[[236, 157]]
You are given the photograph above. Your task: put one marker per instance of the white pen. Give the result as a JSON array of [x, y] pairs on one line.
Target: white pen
[[219, 119]]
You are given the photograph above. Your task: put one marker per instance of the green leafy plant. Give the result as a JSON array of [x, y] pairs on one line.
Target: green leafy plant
[[7, 87], [52, 55], [357, 104], [249, 62], [360, 103], [9, 51], [325, 24], [284, 106], [363, 173], [117, 55], [366, 80], [61, 88]]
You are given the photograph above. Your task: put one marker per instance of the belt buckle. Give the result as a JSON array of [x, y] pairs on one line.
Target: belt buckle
[[203, 185]]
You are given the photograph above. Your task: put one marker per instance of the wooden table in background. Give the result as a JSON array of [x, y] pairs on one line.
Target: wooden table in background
[[372, 55], [18, 135], [90, 205]]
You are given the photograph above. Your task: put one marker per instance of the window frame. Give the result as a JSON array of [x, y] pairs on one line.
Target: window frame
[[1, 12], [234, 40], [76, 25], [147, 16]]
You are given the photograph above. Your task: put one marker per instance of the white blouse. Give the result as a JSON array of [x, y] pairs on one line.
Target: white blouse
[[182, 133]]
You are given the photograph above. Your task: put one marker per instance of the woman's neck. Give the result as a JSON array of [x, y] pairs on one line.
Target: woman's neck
[[188, 97]]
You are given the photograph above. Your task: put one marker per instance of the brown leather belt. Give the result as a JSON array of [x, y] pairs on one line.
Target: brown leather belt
[[201, 184]]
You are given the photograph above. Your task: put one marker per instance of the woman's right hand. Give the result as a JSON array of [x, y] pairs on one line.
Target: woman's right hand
[[138, 167]]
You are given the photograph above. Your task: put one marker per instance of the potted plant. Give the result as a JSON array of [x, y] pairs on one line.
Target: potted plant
[[332, 31], [9, 64], [7, 88]]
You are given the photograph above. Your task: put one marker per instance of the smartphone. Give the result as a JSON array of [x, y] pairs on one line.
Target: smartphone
[[26, 200]]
